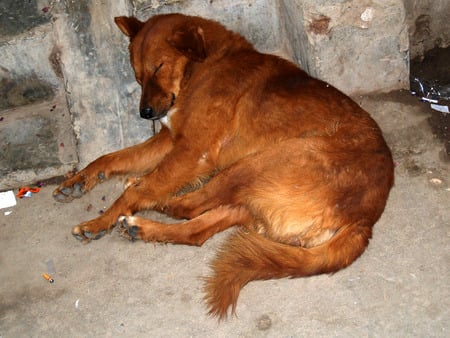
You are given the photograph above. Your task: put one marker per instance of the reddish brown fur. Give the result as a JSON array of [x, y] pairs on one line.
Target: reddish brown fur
[[297, 164]]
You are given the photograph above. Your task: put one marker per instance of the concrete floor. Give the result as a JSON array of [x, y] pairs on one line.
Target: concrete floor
[[116, 288]]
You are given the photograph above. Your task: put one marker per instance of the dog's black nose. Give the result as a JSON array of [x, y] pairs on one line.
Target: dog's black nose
[[147, 113]]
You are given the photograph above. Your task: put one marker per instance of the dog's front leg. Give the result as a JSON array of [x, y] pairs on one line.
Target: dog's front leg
[[136, 160], [180, 167]]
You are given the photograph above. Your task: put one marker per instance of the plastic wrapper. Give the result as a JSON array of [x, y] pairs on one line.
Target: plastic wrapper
[[431, 90]]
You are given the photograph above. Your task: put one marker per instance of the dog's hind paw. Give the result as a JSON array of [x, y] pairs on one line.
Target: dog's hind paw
[[127, 229]]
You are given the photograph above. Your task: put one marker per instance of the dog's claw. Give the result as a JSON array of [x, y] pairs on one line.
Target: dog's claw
[[77, 190], [63, 194], [66, 190], [133, 231], [67, 194], [101, 176], [79, 237], [93, 236], [61, 197], [86, 236]]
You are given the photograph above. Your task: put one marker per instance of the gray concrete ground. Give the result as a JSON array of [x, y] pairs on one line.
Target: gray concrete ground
[[116, 288]]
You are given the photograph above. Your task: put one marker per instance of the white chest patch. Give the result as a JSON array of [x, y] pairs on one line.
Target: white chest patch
[[166, 119]]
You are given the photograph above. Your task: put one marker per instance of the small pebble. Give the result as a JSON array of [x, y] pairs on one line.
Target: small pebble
[[436, 181]]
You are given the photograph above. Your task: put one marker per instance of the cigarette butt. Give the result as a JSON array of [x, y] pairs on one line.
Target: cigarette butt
[[47, 277]]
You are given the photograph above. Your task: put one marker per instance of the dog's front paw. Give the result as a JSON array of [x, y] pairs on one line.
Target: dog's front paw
[[77, 185], [66, 193], [87, 231]]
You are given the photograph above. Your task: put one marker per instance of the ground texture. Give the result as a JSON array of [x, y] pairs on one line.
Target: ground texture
[[116, 288]]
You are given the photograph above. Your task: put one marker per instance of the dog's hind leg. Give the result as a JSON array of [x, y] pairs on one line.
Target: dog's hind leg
[[192, 232], [135, 160], [222, 189], [195, 203]]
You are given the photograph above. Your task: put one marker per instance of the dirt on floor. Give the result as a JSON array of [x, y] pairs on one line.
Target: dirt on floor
[[116, 288]]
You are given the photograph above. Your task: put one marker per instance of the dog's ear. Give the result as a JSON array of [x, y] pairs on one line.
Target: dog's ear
[[190, 41], [130, 26]]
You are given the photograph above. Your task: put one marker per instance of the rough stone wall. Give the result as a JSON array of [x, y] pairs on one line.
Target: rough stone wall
[[74, 47], [101, 90], [36, 136], [429, 25], [26, 42], [257, 20], [359, 46]]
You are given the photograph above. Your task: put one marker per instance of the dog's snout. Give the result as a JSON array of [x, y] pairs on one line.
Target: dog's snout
[[147, 113]]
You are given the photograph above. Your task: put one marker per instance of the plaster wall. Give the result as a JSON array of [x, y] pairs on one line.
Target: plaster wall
[[428, 25]]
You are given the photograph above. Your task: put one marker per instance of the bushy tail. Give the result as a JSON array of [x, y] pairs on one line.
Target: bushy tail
[[247, 256]]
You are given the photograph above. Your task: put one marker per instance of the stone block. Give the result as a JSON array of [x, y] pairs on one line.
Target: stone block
[[37, 143], [358, 46], [428, 25], [102, 93]]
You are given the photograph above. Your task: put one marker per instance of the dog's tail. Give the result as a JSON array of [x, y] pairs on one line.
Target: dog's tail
[[247, 256]]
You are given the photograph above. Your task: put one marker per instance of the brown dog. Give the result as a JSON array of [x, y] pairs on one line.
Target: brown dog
[[297, 164]]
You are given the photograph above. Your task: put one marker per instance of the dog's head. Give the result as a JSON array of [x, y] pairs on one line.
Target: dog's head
[[160, 51]]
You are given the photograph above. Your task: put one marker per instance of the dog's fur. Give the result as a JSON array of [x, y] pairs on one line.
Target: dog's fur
[[300, 167]]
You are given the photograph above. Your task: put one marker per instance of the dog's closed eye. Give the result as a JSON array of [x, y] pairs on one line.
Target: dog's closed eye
[[156, 70]]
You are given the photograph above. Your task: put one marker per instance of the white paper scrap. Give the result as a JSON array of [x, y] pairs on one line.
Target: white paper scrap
[[441, 108], [7, 199], [426, 99]]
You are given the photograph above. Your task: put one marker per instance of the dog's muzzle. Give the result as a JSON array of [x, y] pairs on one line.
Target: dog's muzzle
[[150, 113], [147, 113]]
